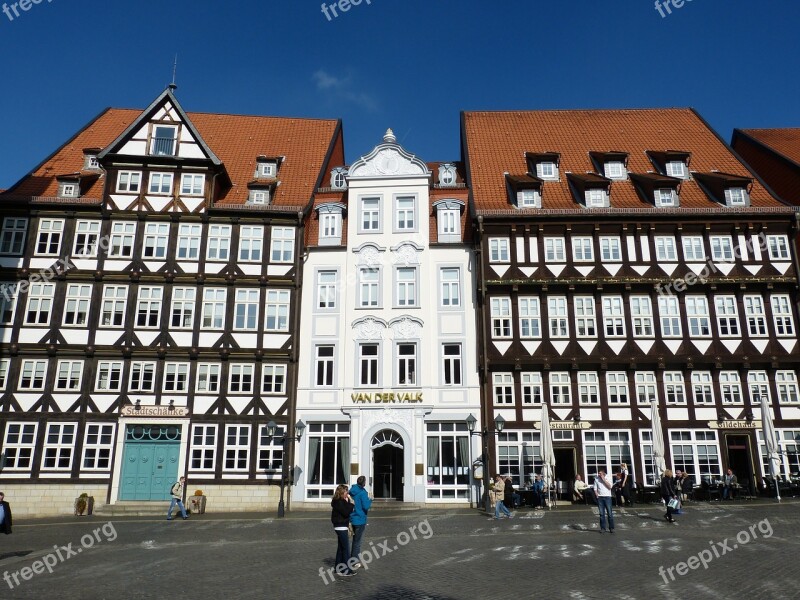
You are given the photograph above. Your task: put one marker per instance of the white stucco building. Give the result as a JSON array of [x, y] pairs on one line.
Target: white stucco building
[[387, 369]]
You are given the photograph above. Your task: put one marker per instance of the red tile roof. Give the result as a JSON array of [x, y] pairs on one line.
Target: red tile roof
[[236, 139], [774, 154], [783, 141], [497, 142]]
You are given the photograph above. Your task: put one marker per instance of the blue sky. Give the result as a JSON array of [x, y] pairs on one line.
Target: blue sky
[[407, 64]]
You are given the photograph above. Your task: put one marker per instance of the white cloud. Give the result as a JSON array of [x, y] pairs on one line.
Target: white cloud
[[342, 89]]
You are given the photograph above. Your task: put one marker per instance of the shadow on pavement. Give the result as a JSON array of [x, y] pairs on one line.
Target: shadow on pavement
[[396, 592]]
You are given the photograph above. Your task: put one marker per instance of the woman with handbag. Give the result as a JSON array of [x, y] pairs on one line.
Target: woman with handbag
[[341, 507], [669, 494]]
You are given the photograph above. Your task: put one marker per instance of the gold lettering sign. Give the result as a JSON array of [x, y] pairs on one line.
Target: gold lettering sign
[[563, 425], [734, 424], [154, 411], [386, 397]]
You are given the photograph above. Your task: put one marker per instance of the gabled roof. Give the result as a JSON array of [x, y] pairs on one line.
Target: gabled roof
[[498, 142], [774, 154], [235, 140], [785, 142], [166, 97]]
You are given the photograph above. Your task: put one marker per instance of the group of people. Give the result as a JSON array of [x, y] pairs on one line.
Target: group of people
[[622, 488], [349, 508], [505, 497]]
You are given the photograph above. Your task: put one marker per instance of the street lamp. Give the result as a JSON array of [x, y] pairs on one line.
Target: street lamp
[[285, 439], [471, 421], [499, 423]]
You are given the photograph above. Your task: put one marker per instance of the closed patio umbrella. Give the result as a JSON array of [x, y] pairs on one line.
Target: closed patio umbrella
[[658, 441], [771, 442], [546, 449]]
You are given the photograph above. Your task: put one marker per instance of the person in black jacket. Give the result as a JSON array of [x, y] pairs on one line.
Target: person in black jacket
[[341, 507], [5, 515], [668, 493], [508, 495]]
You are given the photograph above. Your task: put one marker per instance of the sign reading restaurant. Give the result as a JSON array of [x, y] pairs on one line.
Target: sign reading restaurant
[[386, 397], [561, 425]]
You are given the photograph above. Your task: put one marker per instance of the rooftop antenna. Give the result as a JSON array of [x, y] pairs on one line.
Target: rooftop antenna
[[173, 86]]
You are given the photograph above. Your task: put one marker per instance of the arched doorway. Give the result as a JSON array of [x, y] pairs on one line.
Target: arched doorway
[[387, 465]]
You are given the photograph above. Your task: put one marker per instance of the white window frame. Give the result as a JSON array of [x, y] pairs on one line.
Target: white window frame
[[87, 235], [49, 237], [499, 250], [69, 374], [98, 447], [615, 169], [452, 364], [60, 450], [203, 457], [129, 182], [369, 284], [251, 243], [39, 308], [558, 317], [585, 316], [645, 387], [219, 242], [405, 217], [786, 384], [530, 317], [642, 316], [698, 316], [674, 388], [588, 388], [181, 314], [236, 457], [665, 197], [76, 306], [501, 317], [214, 308], [450, 287], [193, 184], [730, 384], [160, 184], [245, 309], [721, 248], [282, 244], [156, 240], [532, 387], [142, 376], [369, 214], [109, 376], [583, 249], [209, 376], [666, 249], [702, 388], [115, 300], [614, 316], [12, 236], [782, 316], [736, 196], [273, 379], [669, 314], [19, 445], [778, 246], [610, 248], [324, 365], [693, 248], [758, 386], [276, 310], [149, 303], [32, 375], [190, 236], [675, 168], [617, 388], [122, 239], [327, 288], [547, 170], [727, 316], [503, 389], [406, 287], [407, 365], [241, 378], [176, 377], [554, 249], [560, 388]]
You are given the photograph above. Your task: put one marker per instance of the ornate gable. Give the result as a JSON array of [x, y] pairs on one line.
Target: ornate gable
[[389, 159]]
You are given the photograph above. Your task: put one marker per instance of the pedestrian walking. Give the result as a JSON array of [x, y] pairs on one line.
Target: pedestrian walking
[[668, 494], [177, 498], [499, 495], [358, 518], [341, 509], [5, 515], [627, 485], [602, 490]]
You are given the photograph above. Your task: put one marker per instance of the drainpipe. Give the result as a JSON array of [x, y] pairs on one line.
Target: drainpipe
[[484, 367]]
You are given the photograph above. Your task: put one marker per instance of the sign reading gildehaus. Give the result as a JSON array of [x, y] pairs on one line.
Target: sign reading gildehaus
[[386, 397], [154, 411]]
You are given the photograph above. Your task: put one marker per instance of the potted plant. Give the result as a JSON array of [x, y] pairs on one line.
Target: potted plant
[[84, 503], [197, 503]]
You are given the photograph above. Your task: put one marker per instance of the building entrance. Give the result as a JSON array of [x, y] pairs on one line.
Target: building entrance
[[387, 465], [149, 462], [739, 460]]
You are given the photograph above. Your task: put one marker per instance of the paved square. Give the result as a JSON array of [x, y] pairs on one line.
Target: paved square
[[416, 554]]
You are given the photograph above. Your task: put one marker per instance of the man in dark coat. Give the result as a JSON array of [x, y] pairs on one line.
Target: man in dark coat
[[5, 515]]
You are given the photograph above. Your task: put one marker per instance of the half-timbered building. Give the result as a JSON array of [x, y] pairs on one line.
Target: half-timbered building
[[388, 372], [151, 269], [625, 257]]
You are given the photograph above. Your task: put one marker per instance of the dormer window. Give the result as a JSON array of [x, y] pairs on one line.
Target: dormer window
[[448, 219], [330, 223], [665, 197], [615, 170], [547, 170], [163, 140], [266, 169], [529, 199], [339, 178], [90, 162], [596, 198], [260, 197], [676, 168], [736, 196], [447, 175], [68, 190]]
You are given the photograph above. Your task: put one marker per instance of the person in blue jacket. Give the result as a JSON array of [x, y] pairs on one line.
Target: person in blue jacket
[[358, 518]]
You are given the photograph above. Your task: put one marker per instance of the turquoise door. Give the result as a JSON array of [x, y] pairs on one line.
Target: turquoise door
[[150, 466]]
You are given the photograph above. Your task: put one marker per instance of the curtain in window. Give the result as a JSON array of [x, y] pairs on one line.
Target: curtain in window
[[313, 460], [463, 456], [344, 459], [433, 455]]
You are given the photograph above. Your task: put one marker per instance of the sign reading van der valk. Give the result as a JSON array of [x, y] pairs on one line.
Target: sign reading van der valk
[[386, 397]]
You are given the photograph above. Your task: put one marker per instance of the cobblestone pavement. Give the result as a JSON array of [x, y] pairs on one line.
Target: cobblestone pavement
[[418, 554]]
